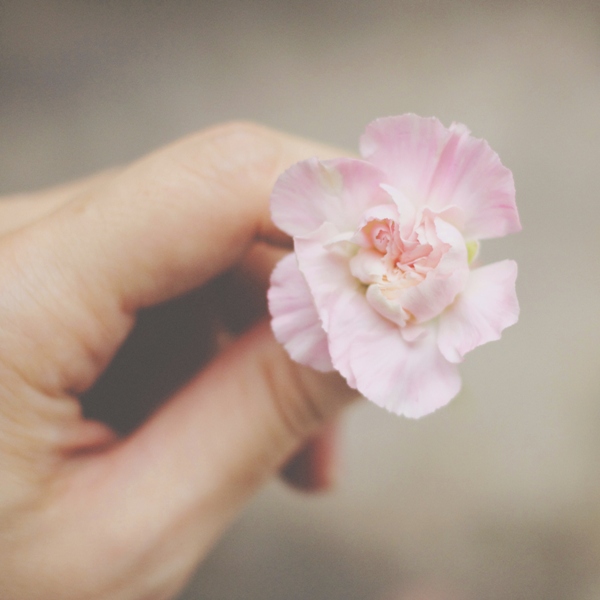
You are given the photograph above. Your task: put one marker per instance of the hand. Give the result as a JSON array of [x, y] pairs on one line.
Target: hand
[[143, 398]]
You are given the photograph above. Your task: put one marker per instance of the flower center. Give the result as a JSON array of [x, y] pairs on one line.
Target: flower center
[[393, 257], [391, 260]]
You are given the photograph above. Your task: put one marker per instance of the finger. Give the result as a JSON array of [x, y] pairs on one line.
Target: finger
[[242, 291], [20, 210], [169, 344], [177, 218], [157, 229], [174, 340], [209, 448], [315, 467]]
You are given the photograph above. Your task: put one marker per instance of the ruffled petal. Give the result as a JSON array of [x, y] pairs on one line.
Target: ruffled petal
[[407, 378], [411, 379], [388, 307], [480, 313], [367, 266], [331, 283], [314, 192], [407, 148], [444, 168], [470, 176], [442, 284], [295, 321]]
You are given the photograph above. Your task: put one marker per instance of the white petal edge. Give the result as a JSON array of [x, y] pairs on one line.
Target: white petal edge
[[407, 378], [441, 167], [481, 312], [295, 321], [337, 191], [331, 283]]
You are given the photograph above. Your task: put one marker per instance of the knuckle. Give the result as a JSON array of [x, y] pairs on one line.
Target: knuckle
[[239, 153], [236, 132]]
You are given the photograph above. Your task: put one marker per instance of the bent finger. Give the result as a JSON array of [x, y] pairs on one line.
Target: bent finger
[[161, 227], [178, 217], [20, 210], [218, 439]]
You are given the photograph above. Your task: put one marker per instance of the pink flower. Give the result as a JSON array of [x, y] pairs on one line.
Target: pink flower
[[380, 286]]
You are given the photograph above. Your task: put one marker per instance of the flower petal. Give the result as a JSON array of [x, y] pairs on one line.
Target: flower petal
[[314, 192], [331, 283], [325, 270], [387, 307], [407, 378], [443, 168], [470, 176], [480, 313], [442, 284], [411, 379], [295, 322], [367, 266], [407, 148]]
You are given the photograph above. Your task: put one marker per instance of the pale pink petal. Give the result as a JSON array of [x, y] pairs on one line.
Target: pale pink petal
[[407, 148], [367, 266], [344, 309], [412, 331], [295, 322], [443, 168], [382, 212], [407, 378], [314, 192], [411, 379], [480, 313], [326, 270], [459, 128], [442, 284], [387, 306], [406, 209], [471, 177], [331, 284], [379, 219]]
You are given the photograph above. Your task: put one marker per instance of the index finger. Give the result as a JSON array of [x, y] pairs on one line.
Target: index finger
[[176, 218]]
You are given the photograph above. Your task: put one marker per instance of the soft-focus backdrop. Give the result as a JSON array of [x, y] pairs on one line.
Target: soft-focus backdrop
[[499, 493]]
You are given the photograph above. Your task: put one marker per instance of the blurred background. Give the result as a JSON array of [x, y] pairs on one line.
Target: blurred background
[[498, 494]]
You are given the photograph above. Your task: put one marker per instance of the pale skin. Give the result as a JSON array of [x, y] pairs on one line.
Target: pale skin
[[85, 512]]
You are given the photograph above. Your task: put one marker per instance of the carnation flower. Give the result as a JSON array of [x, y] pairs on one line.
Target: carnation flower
[[381, 285]]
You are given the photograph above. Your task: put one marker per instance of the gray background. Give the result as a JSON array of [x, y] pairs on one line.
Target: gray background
[[497, 494]]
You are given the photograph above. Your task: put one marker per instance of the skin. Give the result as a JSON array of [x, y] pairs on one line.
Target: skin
[[143, 399]]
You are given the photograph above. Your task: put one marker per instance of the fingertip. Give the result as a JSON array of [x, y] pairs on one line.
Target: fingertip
[[315, 468], [88, 436]]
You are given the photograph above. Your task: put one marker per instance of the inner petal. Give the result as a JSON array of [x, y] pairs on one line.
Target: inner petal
[[414, 253], [401, 268], [368, 266], [385, 302]]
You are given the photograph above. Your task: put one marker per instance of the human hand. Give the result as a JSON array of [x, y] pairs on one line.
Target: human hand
[[115, 291]]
